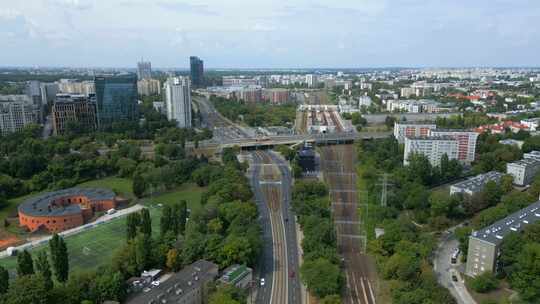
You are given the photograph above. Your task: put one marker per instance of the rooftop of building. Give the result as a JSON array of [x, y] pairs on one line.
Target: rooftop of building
[[524, 162], [532, 154], [180, 283], [422, 123], [515, 222], [235, 273], [444, 137], [455, 131], [477, 183], [43, 205]]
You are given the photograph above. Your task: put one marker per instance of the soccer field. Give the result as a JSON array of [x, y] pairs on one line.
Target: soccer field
[[94, 247]]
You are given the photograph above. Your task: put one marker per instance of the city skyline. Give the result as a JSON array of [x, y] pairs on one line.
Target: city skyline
[[299, 34]]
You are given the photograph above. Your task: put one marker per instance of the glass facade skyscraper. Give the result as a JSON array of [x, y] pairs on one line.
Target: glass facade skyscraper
[[116, 99], [197, 71]]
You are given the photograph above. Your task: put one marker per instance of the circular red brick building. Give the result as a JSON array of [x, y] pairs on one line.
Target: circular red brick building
[[60, 210]]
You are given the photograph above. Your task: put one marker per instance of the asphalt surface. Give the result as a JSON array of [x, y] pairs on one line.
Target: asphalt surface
[[443, 268], [223, 129], [278, 265]]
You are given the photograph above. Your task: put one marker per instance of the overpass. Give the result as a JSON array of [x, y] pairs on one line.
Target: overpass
[[252, 143]]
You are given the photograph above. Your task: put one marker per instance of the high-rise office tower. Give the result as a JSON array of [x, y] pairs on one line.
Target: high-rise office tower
[[116, 99], [144, 70], [178, 101], [197, 71]]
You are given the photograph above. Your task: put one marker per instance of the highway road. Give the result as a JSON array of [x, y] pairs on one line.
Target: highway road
[[224, 129], [338, 165], [271, 183]]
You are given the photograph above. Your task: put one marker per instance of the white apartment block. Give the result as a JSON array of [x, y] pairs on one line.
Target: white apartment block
[[466, 142], [311, 80], [402, 130], [17, 111], [178, 101], [432, 147], [523, 171], [476, 183], [364, 101]]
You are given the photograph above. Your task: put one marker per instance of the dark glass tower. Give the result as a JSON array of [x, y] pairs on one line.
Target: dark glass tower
[[116, 99], [197, 71]]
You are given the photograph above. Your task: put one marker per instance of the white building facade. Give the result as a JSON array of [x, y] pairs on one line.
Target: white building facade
[[17, 111], [432, 147], [402, 130], [466, 142], [178, 101]]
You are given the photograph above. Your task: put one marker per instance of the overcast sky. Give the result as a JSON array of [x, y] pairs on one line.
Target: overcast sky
[[270, 33]]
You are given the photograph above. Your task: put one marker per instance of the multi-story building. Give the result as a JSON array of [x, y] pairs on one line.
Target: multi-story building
[[232, 81], [197, 71], [466, 142], [364, 101], [523, 171], [277, 96], [188, 286], [533, 155], [178, 101], [484, 244], [312, 81], [250, 94], [73, 86], [48, 93], [149, 87], [407, 92], [73, 110], [17, 111], [144, 70], [116, 99], [411, 129], [433, 147], [475, 184]]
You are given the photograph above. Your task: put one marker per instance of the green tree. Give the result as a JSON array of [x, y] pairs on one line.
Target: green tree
[[146, 222], [484, 282], [110, 286], [182, 216], [132, 223], [59, 258], [331, 299], [44, 269], [29, 289], [139, 185], [321, 277], [25, 265], [165, 223], [4, 280], [143, 251], [526, 277], [506, 183]]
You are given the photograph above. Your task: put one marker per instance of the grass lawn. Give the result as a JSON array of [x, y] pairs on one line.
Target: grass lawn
[[95, 247]]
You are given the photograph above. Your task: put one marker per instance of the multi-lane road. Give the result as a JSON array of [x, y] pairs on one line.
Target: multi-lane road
[[338, 164], [271, 180]]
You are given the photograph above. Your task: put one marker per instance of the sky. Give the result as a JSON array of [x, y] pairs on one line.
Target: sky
[[270, 33]]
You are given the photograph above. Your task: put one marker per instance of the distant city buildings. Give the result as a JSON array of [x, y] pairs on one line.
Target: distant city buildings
[[277, 96], [252, 94], [17, 111], [73, 111], [485, 244], [149, 87], [144, 70], [178, 101], [196, 71], [415, 106], [233, 81], [116, 99], [73, 86]]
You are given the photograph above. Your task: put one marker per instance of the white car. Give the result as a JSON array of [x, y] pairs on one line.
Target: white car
[[262, 282], [155, 283]]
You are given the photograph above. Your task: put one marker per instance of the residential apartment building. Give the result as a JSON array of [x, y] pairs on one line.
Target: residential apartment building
[[250, 94], [178, 101], [532, 154], [232, 81], [188, 286], [484, 244], [523, 171], [78, 111], [466, 142], [116, 99], [144, 70], [73, 86], [17, 111], [475, 184], [312, 81], [402, 130], [277, 96], [148, 87], [432, 147]]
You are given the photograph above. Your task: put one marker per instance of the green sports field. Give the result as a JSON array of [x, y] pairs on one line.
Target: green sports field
[[95, 246]]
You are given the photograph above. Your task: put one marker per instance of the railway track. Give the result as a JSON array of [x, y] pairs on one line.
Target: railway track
[[338, 164]]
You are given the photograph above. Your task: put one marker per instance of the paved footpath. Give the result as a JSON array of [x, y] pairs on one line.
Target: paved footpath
[[103, 219]]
